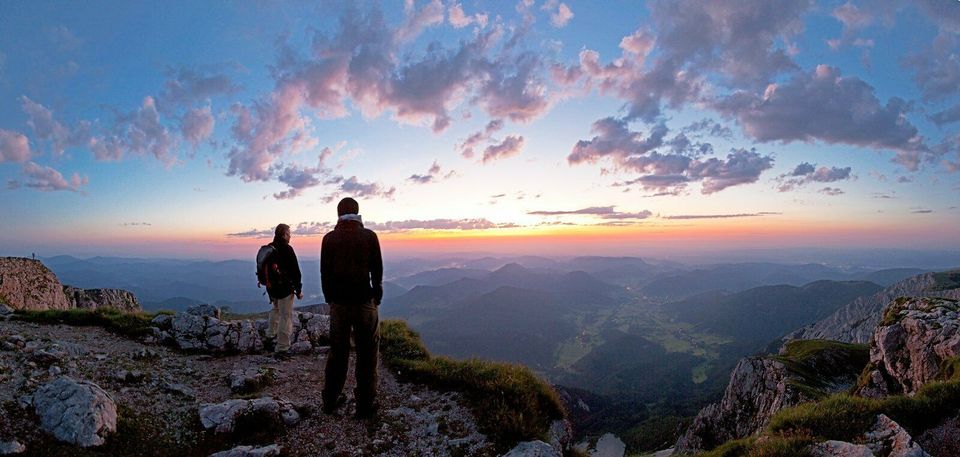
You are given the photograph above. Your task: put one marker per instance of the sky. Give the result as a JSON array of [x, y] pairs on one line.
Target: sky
[[190, 129]]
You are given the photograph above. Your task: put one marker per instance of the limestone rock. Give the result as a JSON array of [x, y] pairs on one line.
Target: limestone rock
[[77, 412], [250, 451], [561, 435], [28, 284], [910, 345], [102, 298], [834, 448], [223, 417], [855, 322], [250, 379], [533, 449], [608, 446], [758, 388], [12, 447]]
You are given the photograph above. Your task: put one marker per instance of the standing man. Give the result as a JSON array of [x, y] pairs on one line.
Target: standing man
[[351, 273], [285, 283]]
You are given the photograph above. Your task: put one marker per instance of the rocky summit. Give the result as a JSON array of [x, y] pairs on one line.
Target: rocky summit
[[28, 284]]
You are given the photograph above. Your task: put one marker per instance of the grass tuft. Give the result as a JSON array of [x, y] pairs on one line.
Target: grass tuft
[[119, 322], [510, 403]]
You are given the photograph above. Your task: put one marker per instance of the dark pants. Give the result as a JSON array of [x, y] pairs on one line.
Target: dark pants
[[364, 321]]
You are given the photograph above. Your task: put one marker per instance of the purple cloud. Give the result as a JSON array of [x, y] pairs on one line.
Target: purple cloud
[[439, 224], [560, 13], [186, 86], [824, 106], [510, 146], [474, 140], [806, 173], [432, 175], [197, 125], [299, 178], [721, 216], [831, 191], [593, 210], [946, 116]]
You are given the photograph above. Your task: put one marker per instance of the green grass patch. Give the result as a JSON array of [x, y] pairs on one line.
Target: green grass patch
[[119, 322], [950, 369], [817, 365], [843, 416], [510, 402]]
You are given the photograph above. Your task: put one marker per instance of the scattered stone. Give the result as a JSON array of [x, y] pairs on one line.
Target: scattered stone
[[76, 412], [179, 389], [128, 376], [250, 451], [100, 357], [44, 357], [162, 321], [54, 371], [533, 449], [5, 310], [886, 438], [145, 354], [12, 447], [250, 379]]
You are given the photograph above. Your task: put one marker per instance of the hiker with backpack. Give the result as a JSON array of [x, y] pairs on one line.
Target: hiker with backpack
[[279, 271], [351, 273]]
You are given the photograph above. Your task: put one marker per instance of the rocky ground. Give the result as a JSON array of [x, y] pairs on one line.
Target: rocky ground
[[159, 391]]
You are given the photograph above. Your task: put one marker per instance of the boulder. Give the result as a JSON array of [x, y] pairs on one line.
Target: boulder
[[834, 448], [561, 435], [102, 298], [264, 411], [250, 451], [29, 285], [76, 412], [533, 449], [609, 446], [910, 345], [251, 379]]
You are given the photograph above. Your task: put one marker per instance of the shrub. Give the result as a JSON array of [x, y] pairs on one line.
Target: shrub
[[510, 403], [120, 322]]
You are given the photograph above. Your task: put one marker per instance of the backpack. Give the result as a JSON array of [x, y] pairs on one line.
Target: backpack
[[268, 272]]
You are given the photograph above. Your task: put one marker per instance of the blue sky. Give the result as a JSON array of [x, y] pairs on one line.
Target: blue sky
[[191, 128]]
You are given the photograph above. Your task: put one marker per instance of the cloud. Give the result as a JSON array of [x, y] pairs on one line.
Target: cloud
[[418, 20], [135, 224], [47, 179], [805, 173], [355, 188], [593, 210], [298, 178], [47, 128], [510, 146], [439, 224], [708, 127], [186, 86], [603, 212], [197, 125], [671, 171], [467, 146], [14, 147], [946, 116], [831, 191], [459, 19], [922, 211], [252, 233], [822, 105], [560, 13], [432, 175], [720, 216], [63, 38], [146, 135]]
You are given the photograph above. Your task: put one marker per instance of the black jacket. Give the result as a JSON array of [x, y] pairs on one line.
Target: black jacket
[[351, 267], [286, 260]]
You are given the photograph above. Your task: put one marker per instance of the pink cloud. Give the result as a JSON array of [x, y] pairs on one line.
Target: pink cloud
[[197, 125], [560, 13], [14, 147], [48, 179]]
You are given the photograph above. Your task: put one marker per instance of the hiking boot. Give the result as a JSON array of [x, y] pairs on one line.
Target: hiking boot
[[269, 344], [281, 355], [365, 412], [330, 408]]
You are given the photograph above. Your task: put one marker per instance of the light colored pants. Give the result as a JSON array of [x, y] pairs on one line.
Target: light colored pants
[[281, 322]]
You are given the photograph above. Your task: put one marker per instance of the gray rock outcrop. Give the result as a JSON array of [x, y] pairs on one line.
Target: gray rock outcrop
[[102, 298], [250, 451], [910, 345], [264, 411], [855, 322], [201, 331], [12, 447], [28, 284], [76, 412], [758, 388]]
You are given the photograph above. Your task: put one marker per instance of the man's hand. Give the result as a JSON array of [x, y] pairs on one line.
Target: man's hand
[[300, 295]]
